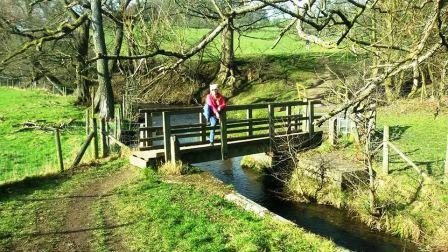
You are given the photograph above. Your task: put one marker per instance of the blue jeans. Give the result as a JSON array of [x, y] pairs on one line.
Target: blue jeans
[[213, 122], [208, 114]]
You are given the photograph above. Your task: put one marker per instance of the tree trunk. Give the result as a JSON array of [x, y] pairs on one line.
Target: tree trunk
[[118, 36], [104, 100], [117, 48], [82, 46], [415, 75], [227, 70]]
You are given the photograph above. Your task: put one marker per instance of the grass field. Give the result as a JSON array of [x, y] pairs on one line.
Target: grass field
[[33, 152], [146, 215]]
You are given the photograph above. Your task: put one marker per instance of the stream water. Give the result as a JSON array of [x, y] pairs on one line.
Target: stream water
[[326, 221]]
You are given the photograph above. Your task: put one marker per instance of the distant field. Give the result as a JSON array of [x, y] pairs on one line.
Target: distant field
[[32, 152], [258, 42]]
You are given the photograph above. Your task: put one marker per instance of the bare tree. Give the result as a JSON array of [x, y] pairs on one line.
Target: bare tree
[[104, 100]]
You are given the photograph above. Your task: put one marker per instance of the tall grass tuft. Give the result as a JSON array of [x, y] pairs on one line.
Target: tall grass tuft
[[178, 168]]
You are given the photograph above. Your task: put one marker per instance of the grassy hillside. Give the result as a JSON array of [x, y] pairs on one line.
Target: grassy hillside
[[32, 152]]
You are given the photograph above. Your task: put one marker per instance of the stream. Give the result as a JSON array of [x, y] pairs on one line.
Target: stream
[[326, 221]]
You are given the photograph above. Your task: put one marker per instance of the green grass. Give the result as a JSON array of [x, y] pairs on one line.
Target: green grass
[[180, 217], [153, 216], [408, 209], [418, 133], [33, 152]]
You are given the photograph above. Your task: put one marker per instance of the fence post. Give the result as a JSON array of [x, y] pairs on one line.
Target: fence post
[[306, 115], [166, 135], [95, 137], [249, 120], [332, 131], [223, 129], [87, 121], [120, 120], [59, 149], [310, 119], [123, 101], [82, 150], [288, 120], [386, 149], [271, 127], [446, 161], [103, 137], [174, 146]]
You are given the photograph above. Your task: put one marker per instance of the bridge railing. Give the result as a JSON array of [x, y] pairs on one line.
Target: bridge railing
[[239, 122]]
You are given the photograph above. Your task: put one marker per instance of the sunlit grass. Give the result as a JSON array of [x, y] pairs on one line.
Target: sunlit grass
[[33, 152]]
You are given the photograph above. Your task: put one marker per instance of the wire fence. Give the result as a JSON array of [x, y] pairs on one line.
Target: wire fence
[[24, 83], [34, 153]]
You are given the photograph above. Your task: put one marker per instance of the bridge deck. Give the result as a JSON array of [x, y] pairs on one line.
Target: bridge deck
[[205, 152]]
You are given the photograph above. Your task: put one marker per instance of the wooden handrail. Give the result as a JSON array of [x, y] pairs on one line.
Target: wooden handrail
[[227, 129], [194, 109]]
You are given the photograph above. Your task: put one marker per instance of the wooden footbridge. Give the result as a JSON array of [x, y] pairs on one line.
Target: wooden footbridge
[[170, 134]]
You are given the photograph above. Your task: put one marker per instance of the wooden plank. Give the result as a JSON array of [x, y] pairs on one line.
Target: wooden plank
[[166, 134], [138, 161], [386, 149], [197, 109], [59, 149], [409, 161], [223, 126], [117, 142], [82, 150]]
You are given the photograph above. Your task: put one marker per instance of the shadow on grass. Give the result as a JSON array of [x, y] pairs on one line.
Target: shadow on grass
[[28, 185], [62, 232], [397, 131]]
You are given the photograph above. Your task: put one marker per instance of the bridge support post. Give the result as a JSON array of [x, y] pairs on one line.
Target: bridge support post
[[175, 149], [223, 129], [166, 135]]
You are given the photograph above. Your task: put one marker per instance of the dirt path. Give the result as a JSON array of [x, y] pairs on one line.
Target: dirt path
[[80, 221]]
